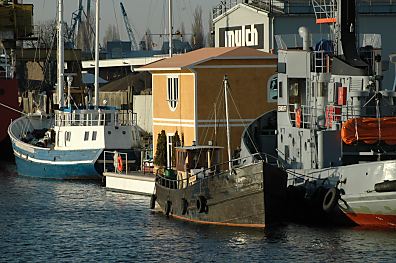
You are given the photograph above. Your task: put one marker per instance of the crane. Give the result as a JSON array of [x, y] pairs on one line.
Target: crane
[[129, 28], [75, 24]]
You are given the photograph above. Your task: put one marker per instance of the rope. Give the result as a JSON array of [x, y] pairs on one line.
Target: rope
[[243, 122], [11, 108]]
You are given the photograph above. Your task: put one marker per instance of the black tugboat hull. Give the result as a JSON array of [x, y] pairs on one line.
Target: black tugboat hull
[[252, 196]]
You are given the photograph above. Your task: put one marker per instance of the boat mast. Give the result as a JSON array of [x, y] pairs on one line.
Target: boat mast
[[97, 54], [228, 124], [61, 57], [170, 28]]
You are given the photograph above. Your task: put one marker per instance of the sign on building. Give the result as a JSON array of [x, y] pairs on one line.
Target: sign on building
[[246, 35]]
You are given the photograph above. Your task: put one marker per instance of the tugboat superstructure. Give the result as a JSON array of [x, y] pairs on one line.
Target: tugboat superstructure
[[335, 120]]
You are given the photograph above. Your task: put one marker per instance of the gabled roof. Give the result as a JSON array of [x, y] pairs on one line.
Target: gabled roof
[[190, 59]]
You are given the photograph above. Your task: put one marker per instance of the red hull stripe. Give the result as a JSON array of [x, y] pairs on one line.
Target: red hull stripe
[[218, 223], [374, 220]]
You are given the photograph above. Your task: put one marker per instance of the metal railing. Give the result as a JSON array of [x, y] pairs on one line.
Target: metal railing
[[334, 114], [206, 173], [117, 162], [94, 118]]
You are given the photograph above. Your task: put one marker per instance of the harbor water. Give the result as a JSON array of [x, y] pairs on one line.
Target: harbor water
[[67, 221]]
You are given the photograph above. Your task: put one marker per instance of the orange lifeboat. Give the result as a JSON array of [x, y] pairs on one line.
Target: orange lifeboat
[[369, 130]]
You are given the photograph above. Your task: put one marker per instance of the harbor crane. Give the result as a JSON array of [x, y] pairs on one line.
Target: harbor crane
[[129, 29], [75, 24]]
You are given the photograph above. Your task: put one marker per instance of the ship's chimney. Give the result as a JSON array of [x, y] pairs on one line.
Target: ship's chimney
[[304, 34]]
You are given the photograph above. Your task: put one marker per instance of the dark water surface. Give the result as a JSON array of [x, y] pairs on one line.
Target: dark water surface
[[57, 221]]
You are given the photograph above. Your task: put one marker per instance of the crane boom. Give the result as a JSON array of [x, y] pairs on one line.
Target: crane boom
[[75, 25], [129, 28]]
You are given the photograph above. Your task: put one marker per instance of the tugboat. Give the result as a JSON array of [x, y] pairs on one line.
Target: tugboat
[[69, 144], [336, 123], [249, 194]]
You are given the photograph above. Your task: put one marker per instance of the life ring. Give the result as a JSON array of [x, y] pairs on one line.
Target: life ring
[[184, 206], [152, 201], [119, 163], [201, 204], [168, 206], [298, 117], [331, 199]]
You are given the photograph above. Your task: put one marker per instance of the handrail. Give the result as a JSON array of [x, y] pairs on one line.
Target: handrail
[[115, 162], [91, 118], [207, 172]]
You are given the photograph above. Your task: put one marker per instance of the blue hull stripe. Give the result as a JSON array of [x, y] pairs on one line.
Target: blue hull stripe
[[56, 164]]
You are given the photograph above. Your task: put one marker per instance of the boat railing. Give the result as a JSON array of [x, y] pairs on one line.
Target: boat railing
[[200, 175], [294, 41], [331, 116], [95, 118], [115, 162]]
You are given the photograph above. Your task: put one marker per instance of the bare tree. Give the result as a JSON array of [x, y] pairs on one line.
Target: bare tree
[[86, 34], [210, 37], [147, 41], [47, 33], [198, 38]]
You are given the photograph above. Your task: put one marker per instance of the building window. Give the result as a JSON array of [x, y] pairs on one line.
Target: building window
[[94, 135], [173, 92], [272, 89], [86, 136]]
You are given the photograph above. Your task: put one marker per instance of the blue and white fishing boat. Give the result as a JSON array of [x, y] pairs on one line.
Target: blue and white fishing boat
[[70, 144]]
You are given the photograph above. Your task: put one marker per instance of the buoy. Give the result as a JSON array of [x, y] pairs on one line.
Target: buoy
[[298, 117], [119, 162]]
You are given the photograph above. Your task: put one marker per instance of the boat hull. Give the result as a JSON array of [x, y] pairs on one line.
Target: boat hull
[[371, 209], [55, 164], [253, 196], [55, 171], [360, 203]]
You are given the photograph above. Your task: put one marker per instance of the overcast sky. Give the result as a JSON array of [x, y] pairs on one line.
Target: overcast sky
[[142, 14]]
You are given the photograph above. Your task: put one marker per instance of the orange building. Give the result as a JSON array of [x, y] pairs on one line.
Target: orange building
[[188, 94]]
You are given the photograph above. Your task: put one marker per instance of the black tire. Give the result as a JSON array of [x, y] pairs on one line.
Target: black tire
[[201, 204], [152, 201], [184, 206], [387, 186], [331, 199], [168, 207]]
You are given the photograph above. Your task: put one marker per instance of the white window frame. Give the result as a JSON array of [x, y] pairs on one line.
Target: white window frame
[[269, 99], [173, 92]]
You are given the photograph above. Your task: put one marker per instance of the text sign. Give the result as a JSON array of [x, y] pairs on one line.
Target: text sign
[[239, 36]]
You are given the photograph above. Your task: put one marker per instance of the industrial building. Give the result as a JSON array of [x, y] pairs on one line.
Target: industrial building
[[257, 23]]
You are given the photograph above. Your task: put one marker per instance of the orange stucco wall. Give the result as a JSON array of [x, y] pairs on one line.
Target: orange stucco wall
[[183, 116], [248, 85]]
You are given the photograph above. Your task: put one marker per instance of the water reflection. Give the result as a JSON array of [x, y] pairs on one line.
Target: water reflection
[[59, 221]]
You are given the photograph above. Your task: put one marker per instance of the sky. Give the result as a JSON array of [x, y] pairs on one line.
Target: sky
[[143, 14]]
